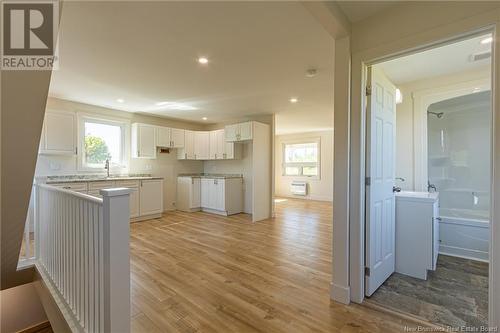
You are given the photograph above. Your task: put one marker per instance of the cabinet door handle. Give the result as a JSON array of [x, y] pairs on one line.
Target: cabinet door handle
[[215, 156], [186, 155], [138, 153], [76, 150]]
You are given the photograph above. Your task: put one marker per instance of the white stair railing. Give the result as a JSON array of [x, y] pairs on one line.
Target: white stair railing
[[82, 253]]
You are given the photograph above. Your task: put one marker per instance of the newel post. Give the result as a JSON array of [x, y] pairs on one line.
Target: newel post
[[116, 241]]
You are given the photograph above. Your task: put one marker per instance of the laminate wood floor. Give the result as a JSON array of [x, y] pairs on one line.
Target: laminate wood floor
[[198, 272]]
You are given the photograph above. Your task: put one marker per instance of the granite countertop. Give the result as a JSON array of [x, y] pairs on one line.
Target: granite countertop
[[210, 175], [92, 178]]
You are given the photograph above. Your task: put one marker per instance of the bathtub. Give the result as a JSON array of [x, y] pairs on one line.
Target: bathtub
[[464, 233]]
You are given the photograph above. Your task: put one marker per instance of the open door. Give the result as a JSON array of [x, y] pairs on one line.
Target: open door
[[380, 165]]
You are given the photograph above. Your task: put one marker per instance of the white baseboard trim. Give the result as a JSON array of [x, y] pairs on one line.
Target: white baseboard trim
[[464, 253], [340, 294], [306, 197]]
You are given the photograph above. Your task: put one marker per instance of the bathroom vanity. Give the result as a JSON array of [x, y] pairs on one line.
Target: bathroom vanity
[[417, 233]]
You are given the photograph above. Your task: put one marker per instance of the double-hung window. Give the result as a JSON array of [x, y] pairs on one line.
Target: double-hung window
[[302, 158], [101, 140]]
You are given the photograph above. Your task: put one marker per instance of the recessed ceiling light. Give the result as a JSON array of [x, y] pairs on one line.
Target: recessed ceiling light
[[487, 40], [204, 118], [294, 100], [120, 100], [203, 60]]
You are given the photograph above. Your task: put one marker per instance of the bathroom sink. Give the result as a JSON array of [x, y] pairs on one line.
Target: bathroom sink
[[426, 196]]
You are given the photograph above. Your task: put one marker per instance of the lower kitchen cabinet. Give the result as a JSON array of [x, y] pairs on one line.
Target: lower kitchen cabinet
[[151, 197], [188, 194], [216, 195], [146, 196]]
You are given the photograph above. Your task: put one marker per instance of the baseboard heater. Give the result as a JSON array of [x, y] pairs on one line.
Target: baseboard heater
[[298, 188]]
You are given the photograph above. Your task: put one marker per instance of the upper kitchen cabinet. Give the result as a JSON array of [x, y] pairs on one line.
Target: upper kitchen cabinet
[[59, 133], [143, 141], [217, 145], [187, 152], [170, 137], [202, 145], [239, 132]]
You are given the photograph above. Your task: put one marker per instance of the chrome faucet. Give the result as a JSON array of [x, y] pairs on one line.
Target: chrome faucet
[[431, 187], [106, 166], [400, 179]]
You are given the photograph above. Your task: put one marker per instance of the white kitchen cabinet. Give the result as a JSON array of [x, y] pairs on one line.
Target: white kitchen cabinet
[[58, 134], [77, 186], [188, 194], [213, 145], [143, 141], [169, 137], [229, 152], [222, 196], [151, 197], [133, 185], [239, 132], [417, 233], [187, 152], [202, 145]]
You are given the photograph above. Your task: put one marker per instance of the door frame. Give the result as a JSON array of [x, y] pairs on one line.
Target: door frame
[[431, 39]]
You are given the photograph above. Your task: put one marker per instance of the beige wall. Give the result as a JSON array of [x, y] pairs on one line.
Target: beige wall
[[165, 165], [405, 162], [20, 308], [319, 189]]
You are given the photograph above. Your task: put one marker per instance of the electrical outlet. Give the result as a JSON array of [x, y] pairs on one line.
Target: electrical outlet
[[148, 167], [55, 166]]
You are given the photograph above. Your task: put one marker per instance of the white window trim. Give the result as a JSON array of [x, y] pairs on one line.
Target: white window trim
[[316, 140], [125, 126]]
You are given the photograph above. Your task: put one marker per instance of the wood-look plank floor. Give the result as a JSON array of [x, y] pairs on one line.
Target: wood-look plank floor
[[198, 272]]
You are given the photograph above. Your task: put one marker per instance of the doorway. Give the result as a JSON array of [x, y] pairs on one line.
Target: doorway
[[428, 179]]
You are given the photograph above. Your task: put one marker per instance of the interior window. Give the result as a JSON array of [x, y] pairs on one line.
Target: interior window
[[301, 159], [101, 141]]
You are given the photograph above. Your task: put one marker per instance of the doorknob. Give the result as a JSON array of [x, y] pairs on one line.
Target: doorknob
[[396, 189]]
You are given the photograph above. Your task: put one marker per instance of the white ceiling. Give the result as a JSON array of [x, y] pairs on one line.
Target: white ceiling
[[147, 53], [448, 59], [359, 10]]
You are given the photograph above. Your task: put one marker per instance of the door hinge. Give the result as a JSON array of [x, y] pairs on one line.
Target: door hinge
[[367, 271], [368, 181], [368, 91]]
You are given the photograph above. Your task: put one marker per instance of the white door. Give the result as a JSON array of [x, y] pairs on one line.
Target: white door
[[163, 137], [380, 201], [177, 137]]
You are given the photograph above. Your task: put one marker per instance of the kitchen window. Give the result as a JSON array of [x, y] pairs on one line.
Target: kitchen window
[[301, 159], [101, 140]]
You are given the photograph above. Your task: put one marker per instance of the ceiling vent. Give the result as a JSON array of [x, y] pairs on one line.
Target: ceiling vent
[[480, 56]]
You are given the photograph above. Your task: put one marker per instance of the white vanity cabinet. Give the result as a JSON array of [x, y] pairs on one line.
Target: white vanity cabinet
[[417, 233], [58, 134]]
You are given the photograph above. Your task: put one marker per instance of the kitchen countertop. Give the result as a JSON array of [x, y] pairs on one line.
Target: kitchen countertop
[[92, 178], [210, 175]]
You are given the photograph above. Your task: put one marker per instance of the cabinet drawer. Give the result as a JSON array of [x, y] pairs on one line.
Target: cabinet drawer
[[101, 185], [127, 183], [77, 187]]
